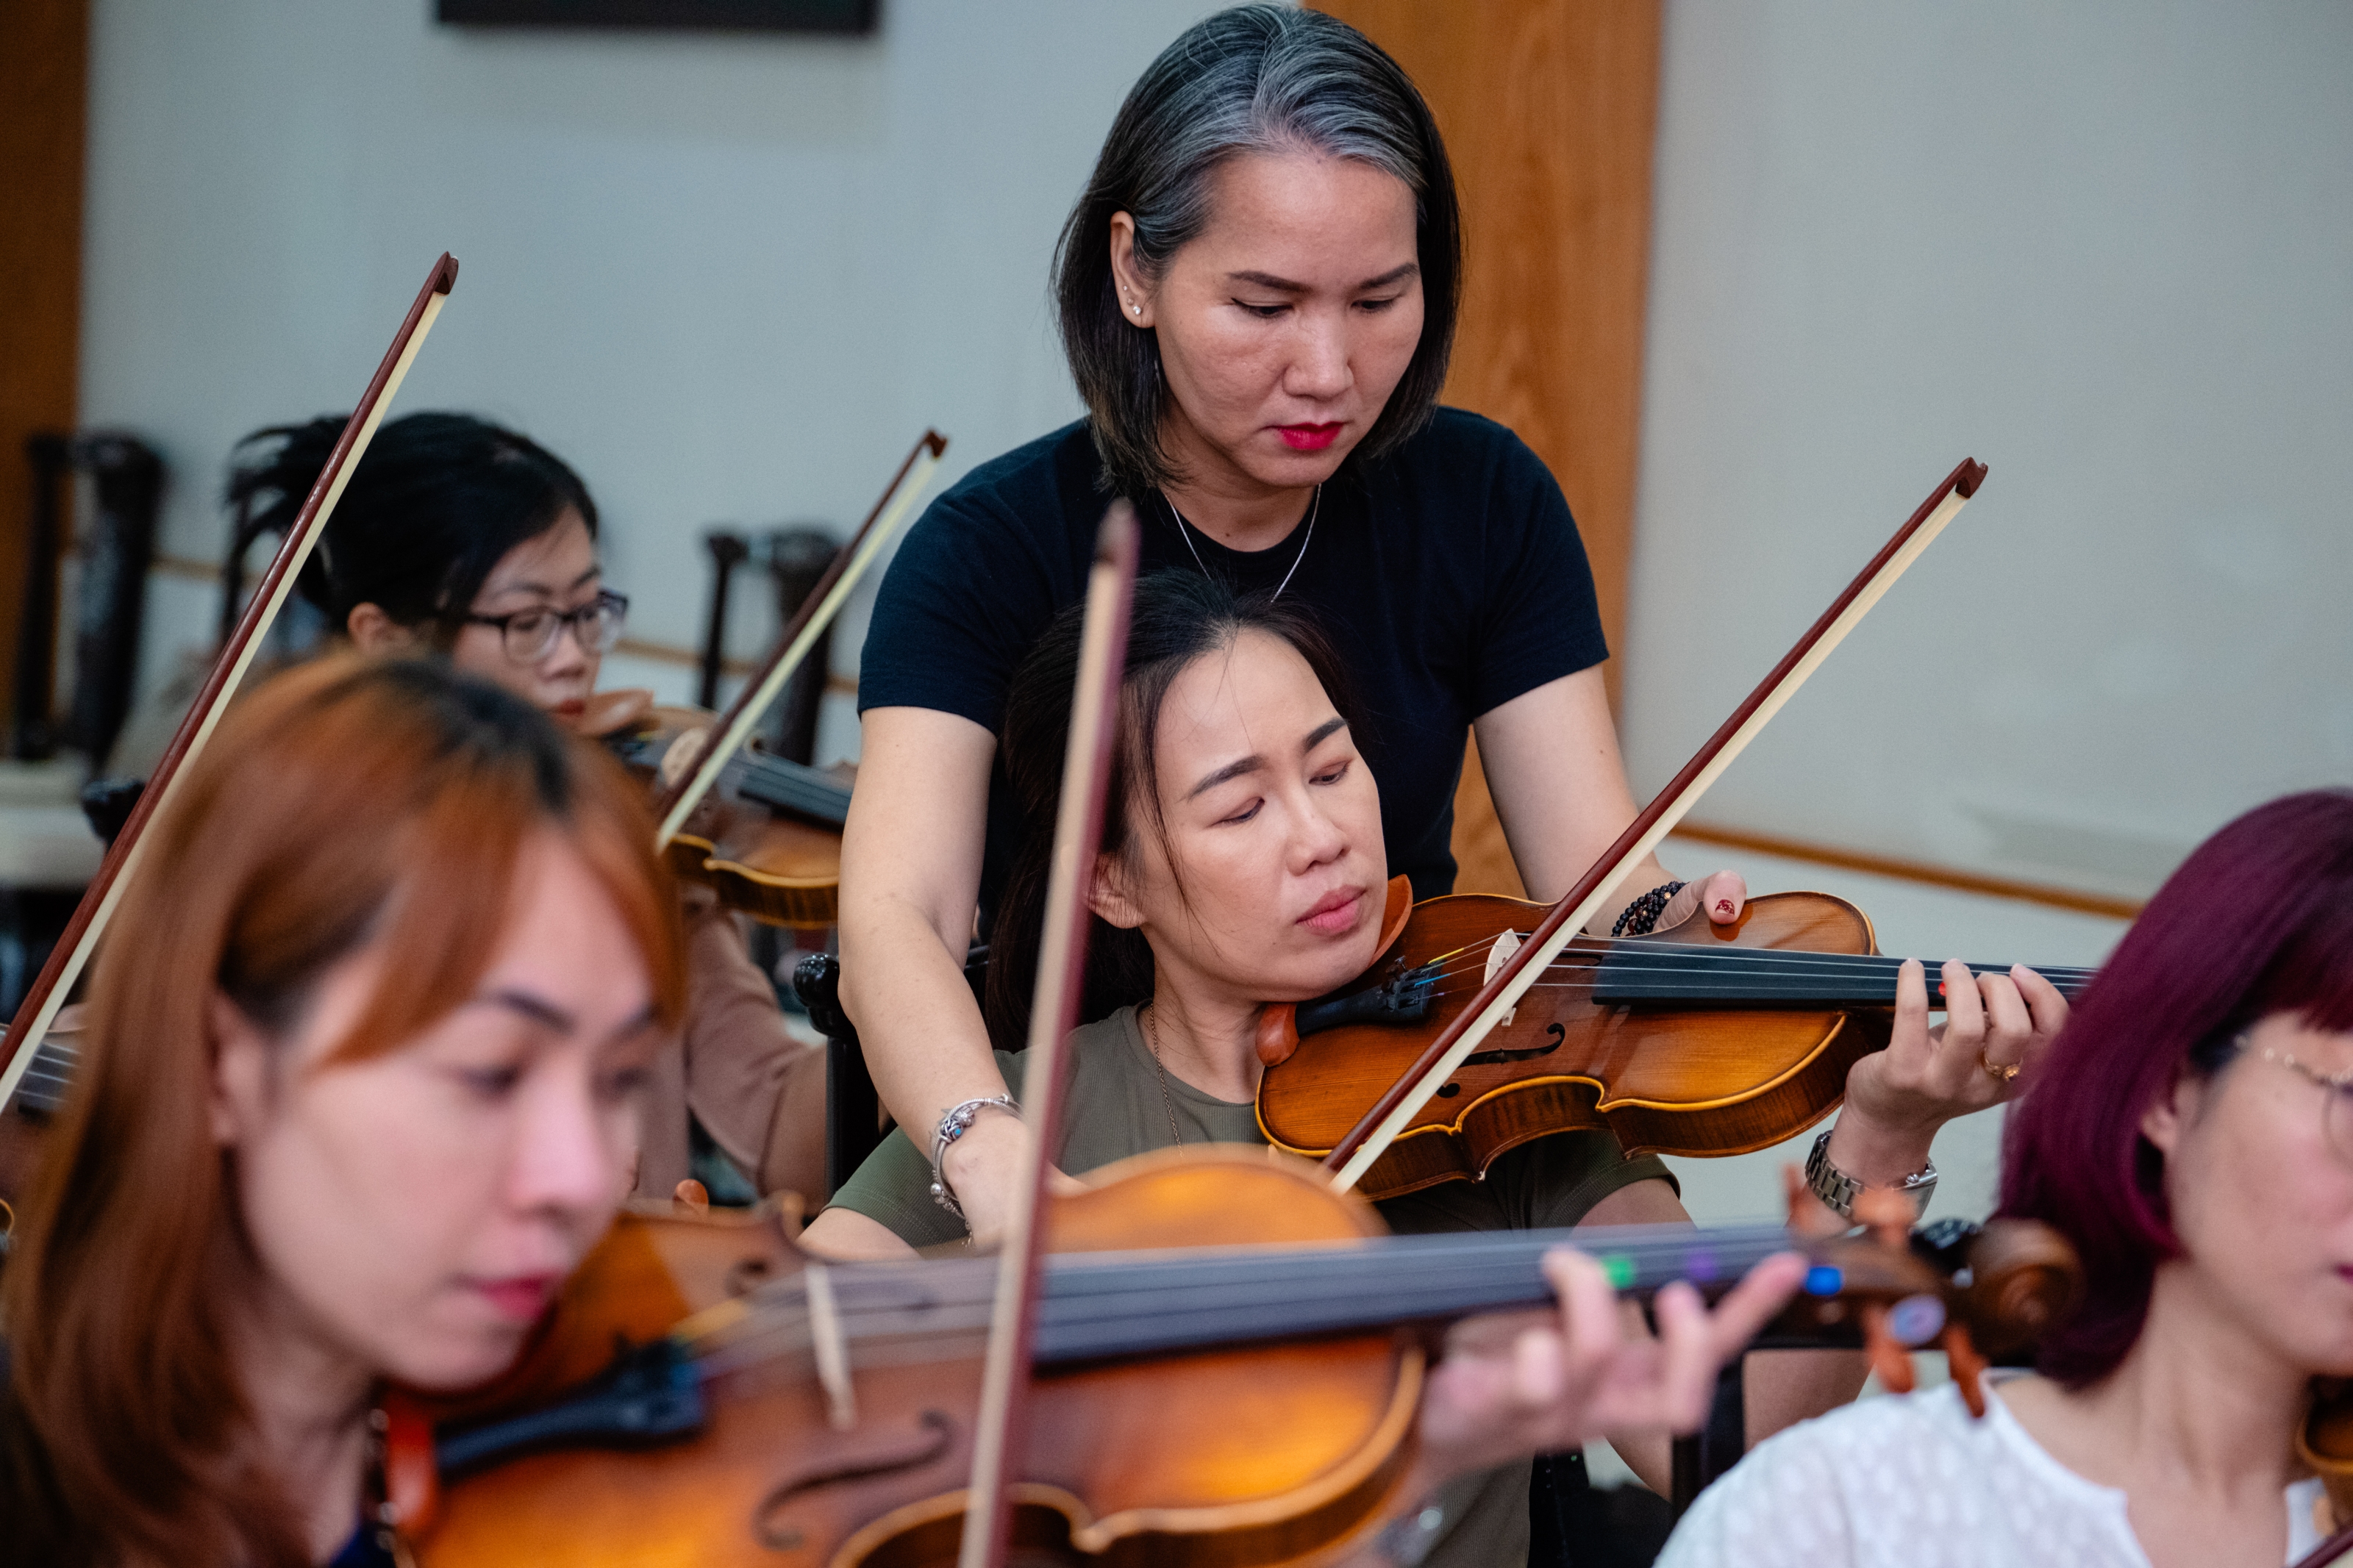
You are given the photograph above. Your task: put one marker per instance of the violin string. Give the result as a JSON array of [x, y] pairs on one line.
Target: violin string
[[1621, 953], [1774, 961], [1700, 982], [1123, 1297]]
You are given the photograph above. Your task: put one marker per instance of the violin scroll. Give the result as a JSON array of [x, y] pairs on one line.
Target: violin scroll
[[2014, 1278]]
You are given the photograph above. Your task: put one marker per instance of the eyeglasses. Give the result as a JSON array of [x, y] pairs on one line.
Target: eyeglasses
[[530, 634], [2336, 1106]]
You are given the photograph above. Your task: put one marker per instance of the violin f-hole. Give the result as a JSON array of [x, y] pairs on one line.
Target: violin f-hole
[[918, 1449], [1557, 1037]]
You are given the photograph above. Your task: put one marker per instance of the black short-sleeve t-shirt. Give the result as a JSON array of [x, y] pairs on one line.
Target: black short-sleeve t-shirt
[[1448, 575]]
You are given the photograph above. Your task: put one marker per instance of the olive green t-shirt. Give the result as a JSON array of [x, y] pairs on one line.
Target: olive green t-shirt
[[1115, 1107]]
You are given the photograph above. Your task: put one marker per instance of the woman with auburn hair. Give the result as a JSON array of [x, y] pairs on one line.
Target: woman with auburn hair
[[2190, 1132], [469, 542], [360, 1086]]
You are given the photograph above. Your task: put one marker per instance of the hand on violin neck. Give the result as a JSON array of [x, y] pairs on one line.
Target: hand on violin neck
[[1896, 1099], [1512, 1384]]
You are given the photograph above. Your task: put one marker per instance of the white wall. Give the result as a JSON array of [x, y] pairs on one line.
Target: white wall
[[731, 277], [2106, 248]]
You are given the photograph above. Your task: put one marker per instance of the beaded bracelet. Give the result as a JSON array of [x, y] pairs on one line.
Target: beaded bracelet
[[953, 1124], [1640, 918]]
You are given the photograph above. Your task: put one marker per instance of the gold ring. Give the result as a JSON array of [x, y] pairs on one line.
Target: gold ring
[[2002, 1071]]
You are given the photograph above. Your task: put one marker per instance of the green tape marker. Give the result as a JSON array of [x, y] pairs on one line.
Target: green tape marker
[[1620, 1267]]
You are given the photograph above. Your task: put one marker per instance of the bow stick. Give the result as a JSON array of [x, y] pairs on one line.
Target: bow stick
[[817, 612], [1397, 1105], [2329, 1553], [72, 951], [1053, 1012]]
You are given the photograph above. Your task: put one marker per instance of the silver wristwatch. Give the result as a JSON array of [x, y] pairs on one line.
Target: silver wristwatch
[[1838, 1189]]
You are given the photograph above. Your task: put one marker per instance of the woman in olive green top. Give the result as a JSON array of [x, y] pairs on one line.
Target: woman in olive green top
[[1242, 863]]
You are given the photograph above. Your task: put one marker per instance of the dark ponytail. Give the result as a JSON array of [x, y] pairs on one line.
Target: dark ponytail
[[433, 506], [1178, 618]]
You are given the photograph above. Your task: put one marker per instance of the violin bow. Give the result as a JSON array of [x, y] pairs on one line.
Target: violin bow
[[817, 612], [2331, 1551], [1053, 1013], [66, 960], [1397, 1105]]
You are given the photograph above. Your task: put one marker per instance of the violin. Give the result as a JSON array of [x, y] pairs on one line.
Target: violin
[[1509, 970], [704, 1391], [766, 837], [1702, 1040], [778, 870]]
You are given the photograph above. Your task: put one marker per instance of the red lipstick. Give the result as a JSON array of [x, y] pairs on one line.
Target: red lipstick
[[1308, 437]]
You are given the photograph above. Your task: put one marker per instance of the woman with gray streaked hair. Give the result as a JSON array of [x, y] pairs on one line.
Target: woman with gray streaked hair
[[1257, 293]]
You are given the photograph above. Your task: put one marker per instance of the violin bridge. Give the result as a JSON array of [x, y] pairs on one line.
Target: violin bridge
[[832, 1350], [1499, 955]]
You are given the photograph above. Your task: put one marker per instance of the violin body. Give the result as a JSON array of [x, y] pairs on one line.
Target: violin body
[[1669, 1080], [1270, 1454]]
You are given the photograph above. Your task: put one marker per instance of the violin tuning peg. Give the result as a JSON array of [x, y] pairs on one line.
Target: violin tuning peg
[[1278, 1032], [1887, 1215], [412, 1476], [690, 1199], [1968, 1367], [1889, 1360]]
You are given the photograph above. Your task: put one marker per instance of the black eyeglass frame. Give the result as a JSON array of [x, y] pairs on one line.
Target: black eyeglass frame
[[613, 607]]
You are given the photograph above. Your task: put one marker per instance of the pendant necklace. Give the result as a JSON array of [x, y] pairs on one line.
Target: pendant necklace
[[1152, 1032], [1185, 531]]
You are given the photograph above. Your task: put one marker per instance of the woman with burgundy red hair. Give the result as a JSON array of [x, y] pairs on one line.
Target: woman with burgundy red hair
[[2192, 1133]]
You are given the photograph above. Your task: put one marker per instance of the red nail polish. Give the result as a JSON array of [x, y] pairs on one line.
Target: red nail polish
[[1724, 906]]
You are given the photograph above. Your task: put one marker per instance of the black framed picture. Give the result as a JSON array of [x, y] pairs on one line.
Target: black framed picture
[[842, 16]]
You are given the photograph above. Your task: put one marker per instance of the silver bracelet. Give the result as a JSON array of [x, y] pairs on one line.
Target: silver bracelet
[[953, 1124], [1838, 1189]]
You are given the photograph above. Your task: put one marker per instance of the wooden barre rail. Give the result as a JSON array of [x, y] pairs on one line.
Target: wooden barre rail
[[1925, 872]]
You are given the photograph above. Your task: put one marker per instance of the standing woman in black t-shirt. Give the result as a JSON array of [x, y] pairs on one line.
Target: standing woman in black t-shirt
[[1257, 294]]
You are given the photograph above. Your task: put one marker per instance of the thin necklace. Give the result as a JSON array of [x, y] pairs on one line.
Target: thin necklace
[[1185, 531], [1152, 1034]]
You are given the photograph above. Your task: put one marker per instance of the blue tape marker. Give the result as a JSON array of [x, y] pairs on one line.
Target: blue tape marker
[[1825, 1279]]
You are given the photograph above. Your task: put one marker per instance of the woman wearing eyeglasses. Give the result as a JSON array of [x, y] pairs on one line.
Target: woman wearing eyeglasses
[[460, 540], [2192, 1133]]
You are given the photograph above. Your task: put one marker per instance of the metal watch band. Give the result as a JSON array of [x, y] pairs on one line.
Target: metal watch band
[[1838, 1189]]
